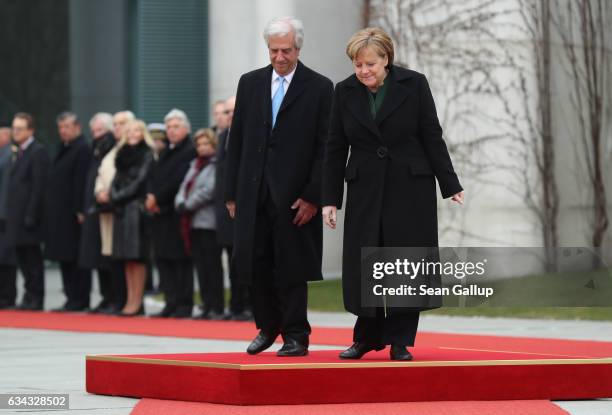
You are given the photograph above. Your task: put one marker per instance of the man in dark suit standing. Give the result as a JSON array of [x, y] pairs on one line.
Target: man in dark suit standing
[[65, 212], [239, 309], [273, 186], [25, 209], [173, 263], [8, 269]]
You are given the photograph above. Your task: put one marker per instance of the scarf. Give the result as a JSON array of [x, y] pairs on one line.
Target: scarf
[[129, 156], [186, 217]]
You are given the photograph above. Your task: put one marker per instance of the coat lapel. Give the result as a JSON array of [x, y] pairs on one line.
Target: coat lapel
[[396, 94], [296, 87], [265, 83], [357, 103]]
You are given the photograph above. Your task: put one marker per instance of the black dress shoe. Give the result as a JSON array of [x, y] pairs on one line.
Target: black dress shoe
[[7, 306], [182, 312], [104, 308], [358, 349], [214, 316], [30, 306], [165, 313], [261, 342], [292, 348], [400, 353], [70, 308]]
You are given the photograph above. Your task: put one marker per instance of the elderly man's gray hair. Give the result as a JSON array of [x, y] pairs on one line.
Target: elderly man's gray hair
[[104, 118], [282, 26], [180, 115], [67, 115]]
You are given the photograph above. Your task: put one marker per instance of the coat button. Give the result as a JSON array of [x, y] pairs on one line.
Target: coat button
[[382, 152], [254, 178]]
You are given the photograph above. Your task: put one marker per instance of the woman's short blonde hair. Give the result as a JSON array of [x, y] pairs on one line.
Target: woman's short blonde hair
[[143, 129], [207, 133], [372, 37]]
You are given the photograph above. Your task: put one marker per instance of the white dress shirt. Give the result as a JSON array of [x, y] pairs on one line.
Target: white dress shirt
[[286, 83]]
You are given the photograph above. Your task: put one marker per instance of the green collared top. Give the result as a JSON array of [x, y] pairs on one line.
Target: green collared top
[[376, 99]]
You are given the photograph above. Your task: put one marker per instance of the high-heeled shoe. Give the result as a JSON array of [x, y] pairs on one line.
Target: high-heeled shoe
[[140, 312]]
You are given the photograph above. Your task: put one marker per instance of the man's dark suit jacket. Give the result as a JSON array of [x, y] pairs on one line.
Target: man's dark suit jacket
[[287, 159]]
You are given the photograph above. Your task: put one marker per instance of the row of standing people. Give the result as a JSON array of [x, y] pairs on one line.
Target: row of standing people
[[108, 205]]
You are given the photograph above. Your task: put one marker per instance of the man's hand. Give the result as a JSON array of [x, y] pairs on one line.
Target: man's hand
[[151, 203], [329, 216], [305, 212], [80, 218], [231, 208]]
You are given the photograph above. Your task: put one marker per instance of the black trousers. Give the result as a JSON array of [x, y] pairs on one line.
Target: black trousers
[[30, 262], [397, 329], [277, 307], [239, 292], [207, 262], [106, 285], [118, 284], [77, 284], [176, 276], [8, 285]]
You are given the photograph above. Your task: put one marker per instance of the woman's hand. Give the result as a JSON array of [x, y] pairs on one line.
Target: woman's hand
[[458, 197], [329, 216]]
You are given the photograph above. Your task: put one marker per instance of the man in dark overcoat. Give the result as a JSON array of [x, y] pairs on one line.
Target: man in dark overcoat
[[8, 268], [173, 263], [24, 230], [273, 186], [64, 210], [239, 302]]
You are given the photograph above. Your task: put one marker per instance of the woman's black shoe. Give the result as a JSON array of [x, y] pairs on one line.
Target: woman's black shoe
[[140, 312], [400, 353], [357, 350]]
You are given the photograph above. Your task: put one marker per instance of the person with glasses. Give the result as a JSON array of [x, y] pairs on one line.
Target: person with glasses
[[25, 208]]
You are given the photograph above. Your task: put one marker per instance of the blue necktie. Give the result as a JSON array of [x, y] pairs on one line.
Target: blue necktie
[[278, 99]]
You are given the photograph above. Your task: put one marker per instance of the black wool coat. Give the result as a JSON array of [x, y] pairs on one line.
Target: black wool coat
[[64, 199], [128, 192], [391, 173], [165, 178], [27, 183], [90, 250], [7, 253], [288, 157], [225, 224]]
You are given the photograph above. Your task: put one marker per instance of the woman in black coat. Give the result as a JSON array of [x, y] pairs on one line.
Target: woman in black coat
[[387, 118], [127, 195]]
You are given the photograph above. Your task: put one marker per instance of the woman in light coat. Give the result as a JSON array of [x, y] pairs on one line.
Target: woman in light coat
[[195, 202]]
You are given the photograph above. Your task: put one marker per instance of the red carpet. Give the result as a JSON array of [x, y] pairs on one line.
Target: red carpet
[[322, 378], [160, 407], [228, 330]]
